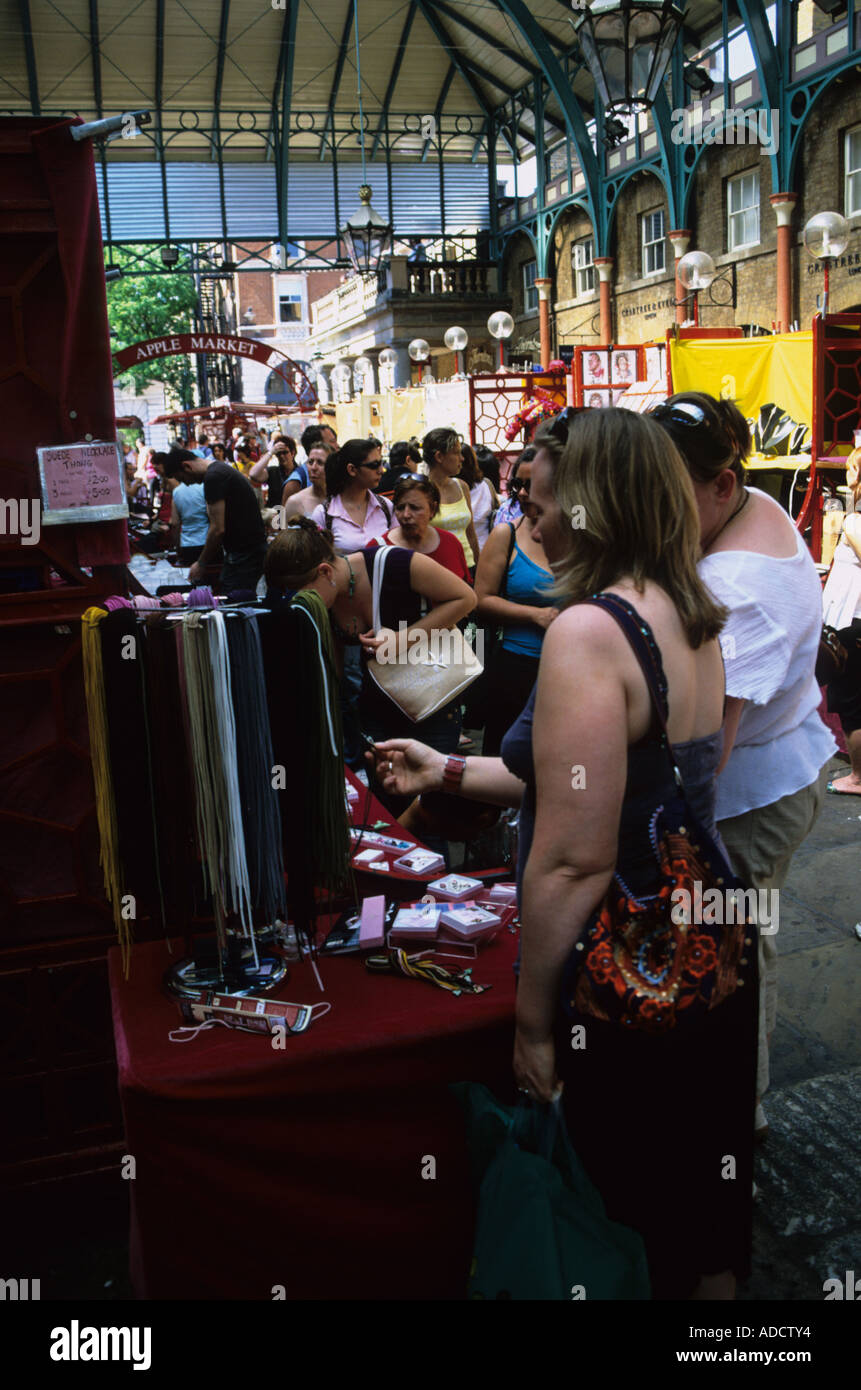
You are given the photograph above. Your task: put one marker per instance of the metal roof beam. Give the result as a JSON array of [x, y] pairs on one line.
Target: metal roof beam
[[339, 72], [442, 37], [219, 78], [288, 53], [95, 54], [489, 39], [440, 102], [395, 74], [30, 55]]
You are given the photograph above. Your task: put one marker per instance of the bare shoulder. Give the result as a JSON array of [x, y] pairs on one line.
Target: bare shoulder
[[582, 624]]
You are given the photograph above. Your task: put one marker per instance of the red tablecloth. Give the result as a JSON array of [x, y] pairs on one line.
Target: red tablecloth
[[302, 1167]]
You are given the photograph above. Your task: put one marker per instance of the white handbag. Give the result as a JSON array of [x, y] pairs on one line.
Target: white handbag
[[434, 669]]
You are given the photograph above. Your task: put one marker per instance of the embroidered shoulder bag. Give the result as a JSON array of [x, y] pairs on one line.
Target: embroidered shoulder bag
[[654, 963]]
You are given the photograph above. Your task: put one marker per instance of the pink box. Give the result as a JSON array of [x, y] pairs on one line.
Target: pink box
[[372, 928]]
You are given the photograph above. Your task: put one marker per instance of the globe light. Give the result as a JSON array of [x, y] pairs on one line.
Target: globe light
[[696, 270], [500, 325], [826, 235], [419, 350], [388, 358], [456, 339], [341, 372]]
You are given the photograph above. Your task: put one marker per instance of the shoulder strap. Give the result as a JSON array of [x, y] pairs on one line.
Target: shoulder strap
[[380, 559], [511, 530], [628, 620], [385, 506]]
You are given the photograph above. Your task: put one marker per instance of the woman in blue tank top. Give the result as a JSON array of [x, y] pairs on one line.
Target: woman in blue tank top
[[512, 586]]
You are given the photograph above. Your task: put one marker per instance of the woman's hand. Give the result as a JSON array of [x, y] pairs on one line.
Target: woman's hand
[[372, 642], [405, 767], [535, 1067], [543, 617]]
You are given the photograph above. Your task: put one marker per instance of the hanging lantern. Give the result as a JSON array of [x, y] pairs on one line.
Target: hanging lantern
[[367, 235], [627, 45]]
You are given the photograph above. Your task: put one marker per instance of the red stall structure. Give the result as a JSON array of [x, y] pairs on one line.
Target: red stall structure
[[59, 1077]]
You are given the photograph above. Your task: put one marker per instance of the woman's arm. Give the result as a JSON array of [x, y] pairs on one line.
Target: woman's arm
[[471, 537], [731, 716], [580, 750], [416, 768], [488, 582], [258, 473], [450, 598], [852, 533]]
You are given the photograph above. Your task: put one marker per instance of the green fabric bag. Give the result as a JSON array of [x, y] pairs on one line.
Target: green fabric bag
[[541, 1231]]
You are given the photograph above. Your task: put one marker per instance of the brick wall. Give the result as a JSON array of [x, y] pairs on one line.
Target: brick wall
[[641, 311]]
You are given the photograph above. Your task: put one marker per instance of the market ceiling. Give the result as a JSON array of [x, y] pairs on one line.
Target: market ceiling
[[233, 61]]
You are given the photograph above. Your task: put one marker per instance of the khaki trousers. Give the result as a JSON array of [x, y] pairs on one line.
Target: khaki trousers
[[761, 844]]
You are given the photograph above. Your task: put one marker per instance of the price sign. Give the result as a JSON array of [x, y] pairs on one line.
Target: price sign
[[82, 482]]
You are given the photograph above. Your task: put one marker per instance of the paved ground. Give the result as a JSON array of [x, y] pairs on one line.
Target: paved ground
[[808, 1214]]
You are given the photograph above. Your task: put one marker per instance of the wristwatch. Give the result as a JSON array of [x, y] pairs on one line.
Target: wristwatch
[[453, 774]]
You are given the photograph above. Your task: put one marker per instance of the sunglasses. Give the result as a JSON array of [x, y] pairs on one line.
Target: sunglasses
[[685, 413], [521, 485], [374, 467], [562, 422]]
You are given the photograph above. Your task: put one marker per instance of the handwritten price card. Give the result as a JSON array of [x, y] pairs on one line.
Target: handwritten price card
[[82, 482]]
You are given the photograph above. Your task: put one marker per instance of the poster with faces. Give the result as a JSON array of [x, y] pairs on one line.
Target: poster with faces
[[595, 368], [656, 369], [624, 367], [618, 393], [596, 400]]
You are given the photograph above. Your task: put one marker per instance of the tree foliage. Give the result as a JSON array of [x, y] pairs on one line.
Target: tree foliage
[[152, 306]]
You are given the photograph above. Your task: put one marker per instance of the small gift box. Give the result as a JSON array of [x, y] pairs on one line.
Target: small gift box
[[455, 886], [420, 862]]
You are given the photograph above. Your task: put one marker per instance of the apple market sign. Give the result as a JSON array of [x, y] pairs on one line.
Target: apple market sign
[[233, 344]]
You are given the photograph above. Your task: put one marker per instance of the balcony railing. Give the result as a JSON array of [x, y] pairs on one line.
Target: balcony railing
[[403, 279], [458, 278]]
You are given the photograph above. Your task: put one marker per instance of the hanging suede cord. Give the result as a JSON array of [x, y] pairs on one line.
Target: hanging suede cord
[[105, 808], [234, 864], [328, 813], [255, 759], [206, 765]]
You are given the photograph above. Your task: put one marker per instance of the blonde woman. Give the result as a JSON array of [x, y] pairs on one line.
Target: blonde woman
[[587, 764]]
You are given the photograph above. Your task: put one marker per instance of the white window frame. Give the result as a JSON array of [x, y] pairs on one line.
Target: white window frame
[[852, 175], [584, 272], [530, 290], [650, 244], [294, 287], [741, 234]]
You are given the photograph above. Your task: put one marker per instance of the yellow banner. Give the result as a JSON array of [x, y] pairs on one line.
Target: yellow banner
[[774, 369]]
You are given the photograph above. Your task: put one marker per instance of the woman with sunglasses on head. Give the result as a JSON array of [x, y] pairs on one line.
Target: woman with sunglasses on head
[[651, 1115], [441, 451], [509, 510], [512, 588], [755, 562], [355, 516]]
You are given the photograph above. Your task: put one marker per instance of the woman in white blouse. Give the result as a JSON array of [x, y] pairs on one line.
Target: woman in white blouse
[[841, 609], [755, 562], [482, 494]]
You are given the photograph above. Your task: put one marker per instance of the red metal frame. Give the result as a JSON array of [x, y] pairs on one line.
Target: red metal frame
[[491, 396], [637, 350]]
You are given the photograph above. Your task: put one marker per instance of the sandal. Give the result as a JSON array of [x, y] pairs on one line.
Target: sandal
[[835, 791]]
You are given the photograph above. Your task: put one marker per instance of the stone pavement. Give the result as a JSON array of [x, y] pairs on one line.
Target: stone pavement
[[807, 1216]]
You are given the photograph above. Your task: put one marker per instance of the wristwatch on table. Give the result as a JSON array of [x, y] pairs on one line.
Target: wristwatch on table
[[453, 774]]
